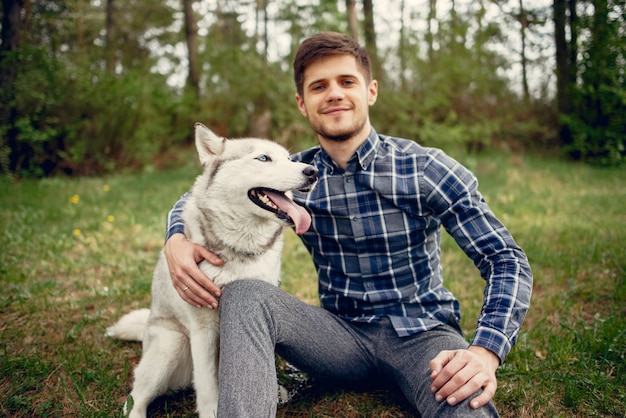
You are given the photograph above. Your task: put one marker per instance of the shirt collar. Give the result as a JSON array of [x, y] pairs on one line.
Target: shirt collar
[[365, 154], [368, 149]]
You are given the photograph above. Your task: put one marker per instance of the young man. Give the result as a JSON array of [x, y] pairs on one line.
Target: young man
[[377, 214]]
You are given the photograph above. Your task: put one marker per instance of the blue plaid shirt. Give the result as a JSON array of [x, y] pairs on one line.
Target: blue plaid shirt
[[375, 240]]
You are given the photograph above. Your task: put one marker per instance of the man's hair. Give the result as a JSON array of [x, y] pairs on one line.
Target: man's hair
[[328, 44]]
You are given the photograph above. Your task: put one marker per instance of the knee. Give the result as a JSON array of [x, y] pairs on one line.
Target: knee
[[246, 308], [245, 297]]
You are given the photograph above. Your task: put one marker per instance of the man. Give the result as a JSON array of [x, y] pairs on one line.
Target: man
[[377, 214]]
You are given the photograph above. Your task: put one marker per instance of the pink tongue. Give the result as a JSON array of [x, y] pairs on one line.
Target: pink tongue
[[299, 216]]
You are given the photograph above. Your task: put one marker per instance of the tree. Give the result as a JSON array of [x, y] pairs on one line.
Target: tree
[[193, 77], [11, 30], [352, 19], [563, 73], [370, 38], [110, 47], [430, 36], [591, 90], [11, 26]]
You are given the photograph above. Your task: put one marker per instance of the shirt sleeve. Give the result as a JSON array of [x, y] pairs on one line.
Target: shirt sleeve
[[175, 224], [454, 198]]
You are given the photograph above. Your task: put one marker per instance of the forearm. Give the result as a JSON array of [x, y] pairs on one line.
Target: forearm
[[507, 299]]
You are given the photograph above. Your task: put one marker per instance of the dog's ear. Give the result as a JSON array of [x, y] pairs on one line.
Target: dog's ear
[[208, 144]]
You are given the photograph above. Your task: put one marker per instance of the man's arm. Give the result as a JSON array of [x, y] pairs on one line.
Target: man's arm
[[454, 198], [182, 259]]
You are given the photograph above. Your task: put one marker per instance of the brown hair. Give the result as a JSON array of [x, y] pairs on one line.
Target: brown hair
[[328, 44]]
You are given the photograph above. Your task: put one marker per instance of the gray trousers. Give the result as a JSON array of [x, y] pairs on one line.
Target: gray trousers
[[259, 320]]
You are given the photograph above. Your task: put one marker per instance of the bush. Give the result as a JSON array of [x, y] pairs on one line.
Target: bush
[[74, 120]]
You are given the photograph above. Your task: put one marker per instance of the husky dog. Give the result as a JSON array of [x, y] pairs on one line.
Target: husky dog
[[237, 209]]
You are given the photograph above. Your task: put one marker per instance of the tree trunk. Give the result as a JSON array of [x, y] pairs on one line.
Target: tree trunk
[[562, 59], [523, 20], [563, 71], [430, 36], [401, 49], [352, 20], [191, 33], [573, 42], [10, 34], [262, 20], [11, 25], [370, 38], [110, 36], [266, 40], [601, 62]]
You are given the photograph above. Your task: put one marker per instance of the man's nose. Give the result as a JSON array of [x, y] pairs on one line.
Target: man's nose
[[335, 92]]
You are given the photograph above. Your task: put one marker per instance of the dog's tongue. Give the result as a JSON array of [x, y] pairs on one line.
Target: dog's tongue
[[299, 216]]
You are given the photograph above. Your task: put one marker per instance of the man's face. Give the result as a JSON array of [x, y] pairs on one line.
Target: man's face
[[336, 98]]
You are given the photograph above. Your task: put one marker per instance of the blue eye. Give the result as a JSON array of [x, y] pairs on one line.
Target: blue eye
[[264, 158]]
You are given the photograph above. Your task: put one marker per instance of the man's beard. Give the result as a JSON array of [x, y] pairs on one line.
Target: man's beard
[[340, 136], [336, 138]]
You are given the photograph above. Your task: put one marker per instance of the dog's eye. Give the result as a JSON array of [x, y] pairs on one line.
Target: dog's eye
[[264, 158]]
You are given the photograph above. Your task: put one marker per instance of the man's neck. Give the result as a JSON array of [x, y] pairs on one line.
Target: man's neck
[[341, 151]]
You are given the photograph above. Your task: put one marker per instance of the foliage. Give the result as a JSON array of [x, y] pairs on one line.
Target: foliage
[[595, 128], [75, 121], [78, 253], [89, 98]]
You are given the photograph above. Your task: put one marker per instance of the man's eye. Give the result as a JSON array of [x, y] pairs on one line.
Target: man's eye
[[264, 158]]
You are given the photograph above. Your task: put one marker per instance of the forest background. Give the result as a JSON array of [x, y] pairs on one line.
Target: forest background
[[97, 104], [97, 86]]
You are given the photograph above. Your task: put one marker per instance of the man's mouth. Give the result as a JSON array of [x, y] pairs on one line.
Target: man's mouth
[[334, 110]]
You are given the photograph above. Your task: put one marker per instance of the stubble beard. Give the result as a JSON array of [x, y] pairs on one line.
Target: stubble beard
[[347, 134], [336, 138]]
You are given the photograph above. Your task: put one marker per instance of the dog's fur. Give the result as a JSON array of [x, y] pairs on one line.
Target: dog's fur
[[237, 209]]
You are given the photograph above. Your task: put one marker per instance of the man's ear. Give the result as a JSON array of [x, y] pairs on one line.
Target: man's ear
[[301, 106], [372, 92]]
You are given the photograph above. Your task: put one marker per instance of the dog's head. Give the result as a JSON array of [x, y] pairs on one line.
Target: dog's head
[[253, 176]]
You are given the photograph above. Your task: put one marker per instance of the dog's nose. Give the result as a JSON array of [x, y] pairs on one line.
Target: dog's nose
[[310, 172]]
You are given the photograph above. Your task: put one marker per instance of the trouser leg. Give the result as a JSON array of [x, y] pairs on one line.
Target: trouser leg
[[406, 361], [259, 320]]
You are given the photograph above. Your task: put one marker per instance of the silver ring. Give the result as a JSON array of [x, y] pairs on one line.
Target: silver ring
[[186, 288]]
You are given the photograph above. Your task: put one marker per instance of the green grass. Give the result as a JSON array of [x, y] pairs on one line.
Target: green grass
[[70, 266]]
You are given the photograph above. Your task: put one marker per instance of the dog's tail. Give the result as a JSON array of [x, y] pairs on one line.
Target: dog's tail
[[131, 326]]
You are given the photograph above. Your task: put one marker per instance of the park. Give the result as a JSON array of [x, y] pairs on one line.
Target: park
[[96, 147]]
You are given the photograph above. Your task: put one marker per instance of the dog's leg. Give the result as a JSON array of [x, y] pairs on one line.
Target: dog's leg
[[205, 354], [165, 364]]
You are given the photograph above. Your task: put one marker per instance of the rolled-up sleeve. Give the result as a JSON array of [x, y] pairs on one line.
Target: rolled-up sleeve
[[174, 223]]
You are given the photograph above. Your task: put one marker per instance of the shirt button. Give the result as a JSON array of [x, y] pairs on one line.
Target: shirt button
[[355, 218], [348, 179]]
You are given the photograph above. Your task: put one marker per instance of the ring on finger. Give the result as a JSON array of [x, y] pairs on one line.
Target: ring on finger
[[186, 288]]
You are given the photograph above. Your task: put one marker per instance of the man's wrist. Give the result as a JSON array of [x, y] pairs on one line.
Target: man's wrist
[[490, 357], [175, 229]]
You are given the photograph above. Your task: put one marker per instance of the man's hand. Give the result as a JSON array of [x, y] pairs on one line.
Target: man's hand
[[459, 374], [189, 281]]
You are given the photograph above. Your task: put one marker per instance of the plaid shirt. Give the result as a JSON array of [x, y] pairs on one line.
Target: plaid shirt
[[375, 240]]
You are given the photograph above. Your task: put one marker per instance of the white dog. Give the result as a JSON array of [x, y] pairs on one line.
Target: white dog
[[237, 209]]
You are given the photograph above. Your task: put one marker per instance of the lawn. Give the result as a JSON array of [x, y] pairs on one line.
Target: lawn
[[76, 253]]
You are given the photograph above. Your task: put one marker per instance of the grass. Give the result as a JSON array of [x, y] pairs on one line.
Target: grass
[[77, 253]]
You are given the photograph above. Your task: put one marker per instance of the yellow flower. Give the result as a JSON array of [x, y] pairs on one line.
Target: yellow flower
[[76, 232], [111, 218], [74, 199], [106, 187]]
